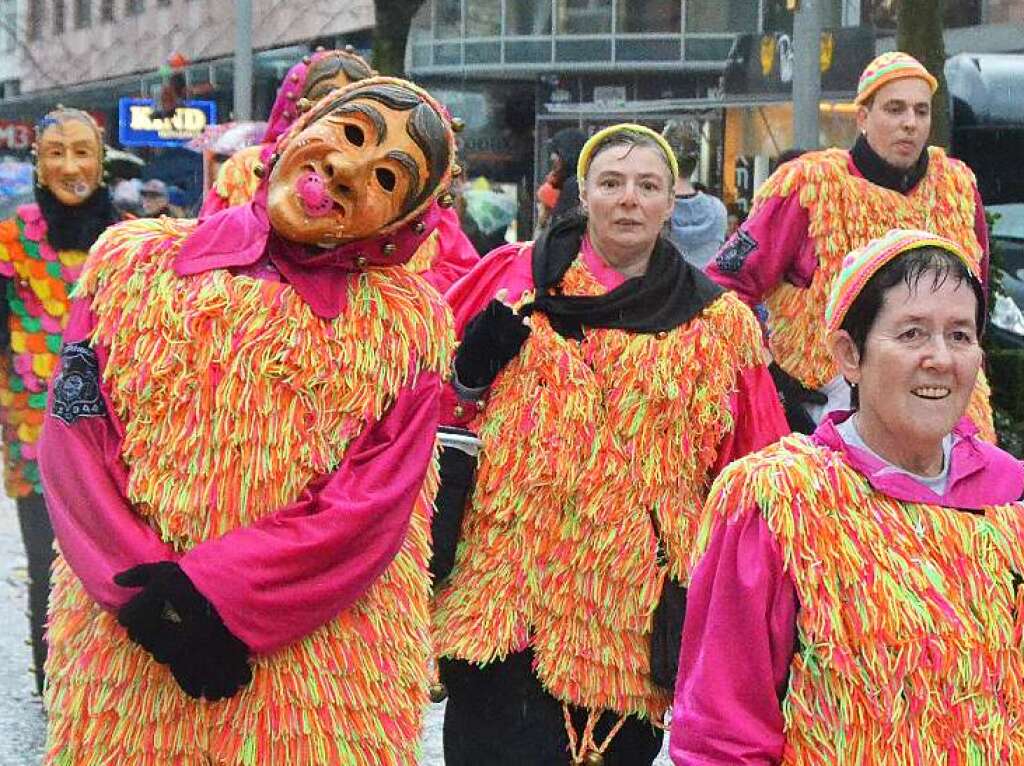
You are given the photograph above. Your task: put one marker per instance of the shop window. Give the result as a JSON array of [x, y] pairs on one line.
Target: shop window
[[448, 21], [584, 17], [658, 16], [527, 17], [106, 10], [9, 88], [834, 13], [483, 18], [721, 16], [883, 14], [58, 17], [83, 14]]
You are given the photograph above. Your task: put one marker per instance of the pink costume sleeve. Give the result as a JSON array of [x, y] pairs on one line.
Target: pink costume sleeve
[[456, 255], [758, 417], [281, 578], [738, 643], [981, 232], [506, 268], [212, 204], [771, 246], [84, 481]]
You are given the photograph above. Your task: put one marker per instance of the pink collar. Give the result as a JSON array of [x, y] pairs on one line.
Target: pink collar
[[605, 274], [980, 474], [240, 237]]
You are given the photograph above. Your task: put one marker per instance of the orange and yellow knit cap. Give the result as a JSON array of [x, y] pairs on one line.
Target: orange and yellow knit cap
[[862, 264], [888, 67]]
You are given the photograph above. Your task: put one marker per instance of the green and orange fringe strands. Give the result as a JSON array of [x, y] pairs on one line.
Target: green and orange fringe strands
[[234, 396], [910, 619], [39, 279], [846, 212], [582, 442]]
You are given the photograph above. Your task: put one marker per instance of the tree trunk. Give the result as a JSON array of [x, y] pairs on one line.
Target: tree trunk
[[919, 33], [390, 34]]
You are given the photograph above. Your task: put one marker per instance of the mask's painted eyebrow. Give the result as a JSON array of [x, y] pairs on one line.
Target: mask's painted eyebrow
[[375, 117], [410, 167]]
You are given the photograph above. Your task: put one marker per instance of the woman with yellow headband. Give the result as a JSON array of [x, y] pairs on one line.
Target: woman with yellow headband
[[860, 597], [609, 382]]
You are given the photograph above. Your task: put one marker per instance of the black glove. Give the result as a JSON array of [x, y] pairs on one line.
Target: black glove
[[177, 625], [667, 634], [794, 398], [457, 472], [491, 340]]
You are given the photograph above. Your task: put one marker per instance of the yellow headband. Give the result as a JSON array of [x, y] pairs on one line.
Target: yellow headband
[[586, 154]]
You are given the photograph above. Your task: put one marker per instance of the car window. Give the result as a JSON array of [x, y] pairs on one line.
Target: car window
[[1010, 221]]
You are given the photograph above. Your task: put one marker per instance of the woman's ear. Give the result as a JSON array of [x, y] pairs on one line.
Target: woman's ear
[[844, 352]]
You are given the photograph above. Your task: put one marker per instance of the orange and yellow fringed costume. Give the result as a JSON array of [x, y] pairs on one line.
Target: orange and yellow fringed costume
[[582, 445], [234, 395], [39, 279], [846, 212], [236, 181], [911, 615]]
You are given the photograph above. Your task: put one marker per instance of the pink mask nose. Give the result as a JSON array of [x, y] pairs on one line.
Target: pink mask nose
[[313, 195]]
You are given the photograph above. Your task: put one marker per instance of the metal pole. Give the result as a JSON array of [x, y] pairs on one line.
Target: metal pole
[[243, 60], [806, 74]]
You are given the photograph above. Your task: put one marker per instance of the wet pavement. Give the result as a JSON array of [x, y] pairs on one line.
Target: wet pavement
[[22, 722]]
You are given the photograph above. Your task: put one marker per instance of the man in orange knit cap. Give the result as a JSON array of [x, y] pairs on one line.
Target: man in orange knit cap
[[815, 209]]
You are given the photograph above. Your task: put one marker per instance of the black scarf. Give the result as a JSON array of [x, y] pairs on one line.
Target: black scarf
[[669, 294], [75, 227], [879, 172]]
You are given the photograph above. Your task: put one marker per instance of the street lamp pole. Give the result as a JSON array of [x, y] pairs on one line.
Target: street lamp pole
[[806, 73], [243, 60]]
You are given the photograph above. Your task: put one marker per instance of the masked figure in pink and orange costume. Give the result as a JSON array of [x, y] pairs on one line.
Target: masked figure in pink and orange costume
[[240, 453], [42, 249], [445, 255]]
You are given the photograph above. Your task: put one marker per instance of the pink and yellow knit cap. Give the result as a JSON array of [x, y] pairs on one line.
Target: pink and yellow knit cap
[[894, 65], [862, 264]]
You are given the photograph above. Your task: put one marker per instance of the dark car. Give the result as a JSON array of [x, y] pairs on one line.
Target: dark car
[[1007, 237]]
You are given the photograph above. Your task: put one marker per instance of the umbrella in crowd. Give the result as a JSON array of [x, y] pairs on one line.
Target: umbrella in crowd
[[229, 137], [121, 164]]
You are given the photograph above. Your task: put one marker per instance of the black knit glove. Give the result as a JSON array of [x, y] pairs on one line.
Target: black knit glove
[[458, 470], [177, 625], [491, 340], [795, 397]]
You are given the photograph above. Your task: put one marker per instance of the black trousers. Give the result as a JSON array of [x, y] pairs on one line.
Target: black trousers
[[37, 535], [500, 715]]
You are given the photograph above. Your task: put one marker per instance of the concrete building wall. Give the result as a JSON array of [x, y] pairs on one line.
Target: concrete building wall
[[142, 41]]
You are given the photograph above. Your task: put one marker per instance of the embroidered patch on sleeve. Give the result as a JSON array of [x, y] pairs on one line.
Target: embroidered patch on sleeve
[[730, 258], [76, 390]]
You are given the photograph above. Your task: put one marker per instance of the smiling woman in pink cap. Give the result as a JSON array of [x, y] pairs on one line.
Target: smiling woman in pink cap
[[858, 600], [820, 206]]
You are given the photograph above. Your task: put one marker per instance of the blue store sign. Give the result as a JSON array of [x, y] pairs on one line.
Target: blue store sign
[[138, 127]]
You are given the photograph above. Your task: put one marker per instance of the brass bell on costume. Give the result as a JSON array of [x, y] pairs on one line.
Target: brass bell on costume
[[593, 758], [438, 692]]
